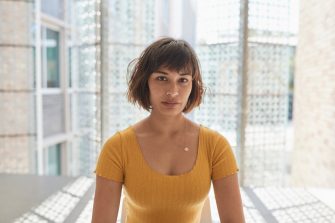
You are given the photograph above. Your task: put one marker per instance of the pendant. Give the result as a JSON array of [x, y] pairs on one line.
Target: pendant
[[186, 149]]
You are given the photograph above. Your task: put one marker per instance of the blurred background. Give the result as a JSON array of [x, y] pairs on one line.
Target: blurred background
[[268, 66]]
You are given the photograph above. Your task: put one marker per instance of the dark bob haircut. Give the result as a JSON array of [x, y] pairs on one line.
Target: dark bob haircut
[[176, 55]]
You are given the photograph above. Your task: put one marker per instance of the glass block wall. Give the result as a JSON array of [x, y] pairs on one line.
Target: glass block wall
[[99, 60], [127, 37], [270, 51], [85, 73]]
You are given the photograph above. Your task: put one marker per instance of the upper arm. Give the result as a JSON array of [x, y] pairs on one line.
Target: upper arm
[[106, 200], [228, 199], [109, 177], [222, 158]]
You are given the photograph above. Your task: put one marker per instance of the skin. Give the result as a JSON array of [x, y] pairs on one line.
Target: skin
[[163, 120], [228, 199], [167, 123], [106, 200]]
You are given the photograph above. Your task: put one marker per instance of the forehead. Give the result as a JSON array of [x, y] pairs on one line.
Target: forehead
[[167, 72], [166, 68]]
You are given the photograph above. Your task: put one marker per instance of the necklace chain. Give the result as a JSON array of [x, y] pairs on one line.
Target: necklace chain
[[186, 149]]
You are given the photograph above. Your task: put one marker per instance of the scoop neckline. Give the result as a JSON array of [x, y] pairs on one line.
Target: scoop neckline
[[138, 147]]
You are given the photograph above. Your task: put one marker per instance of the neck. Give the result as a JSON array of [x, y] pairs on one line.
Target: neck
[[167, 126]]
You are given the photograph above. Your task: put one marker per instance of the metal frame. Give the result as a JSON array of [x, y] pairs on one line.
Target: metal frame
[[61, 26], [242, 86], [39, 117]]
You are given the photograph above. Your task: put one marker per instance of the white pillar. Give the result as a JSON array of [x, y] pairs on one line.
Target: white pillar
[[176, 19]]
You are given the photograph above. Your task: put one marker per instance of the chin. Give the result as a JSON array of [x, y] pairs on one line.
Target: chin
[[171, 112], [175, 112]]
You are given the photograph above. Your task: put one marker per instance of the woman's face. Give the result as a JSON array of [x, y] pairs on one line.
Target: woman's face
[[169, 90]]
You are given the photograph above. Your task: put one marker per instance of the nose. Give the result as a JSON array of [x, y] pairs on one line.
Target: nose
[[173, 90]]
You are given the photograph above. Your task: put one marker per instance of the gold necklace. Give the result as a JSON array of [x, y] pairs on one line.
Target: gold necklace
[[186, 149]]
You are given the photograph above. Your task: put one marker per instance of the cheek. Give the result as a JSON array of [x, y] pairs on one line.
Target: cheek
[[154, 91], [189, 90]]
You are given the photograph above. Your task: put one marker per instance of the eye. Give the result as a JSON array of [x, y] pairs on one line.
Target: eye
[[184, 80], [161, 78]]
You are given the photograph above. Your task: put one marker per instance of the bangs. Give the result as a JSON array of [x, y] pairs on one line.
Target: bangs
[[169, 53], [174, 56]]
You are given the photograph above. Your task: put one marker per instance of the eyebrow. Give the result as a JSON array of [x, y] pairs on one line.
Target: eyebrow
[[165, 73]]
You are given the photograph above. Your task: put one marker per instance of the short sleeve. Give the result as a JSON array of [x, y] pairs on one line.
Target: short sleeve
[[223, 159], [110, 161]]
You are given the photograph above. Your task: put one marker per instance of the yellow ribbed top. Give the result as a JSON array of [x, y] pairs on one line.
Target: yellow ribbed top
[[152, 197]]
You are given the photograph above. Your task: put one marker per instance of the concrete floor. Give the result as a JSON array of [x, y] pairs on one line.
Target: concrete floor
[[30, 198]]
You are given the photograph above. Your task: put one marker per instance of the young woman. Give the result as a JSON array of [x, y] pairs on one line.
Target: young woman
[[166, 162]]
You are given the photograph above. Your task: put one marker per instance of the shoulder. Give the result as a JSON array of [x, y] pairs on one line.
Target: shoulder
[[124, 140], [118, 136], [213, 138], [212, 134]]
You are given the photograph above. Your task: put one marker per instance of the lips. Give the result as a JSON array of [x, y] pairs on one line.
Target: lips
[[170, 102]]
